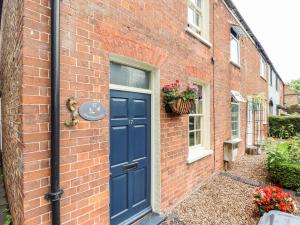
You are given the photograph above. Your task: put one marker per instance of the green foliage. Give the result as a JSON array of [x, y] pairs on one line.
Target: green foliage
[[288, 175], [284, 126], [8, 217], [283, 162], [295, 84]]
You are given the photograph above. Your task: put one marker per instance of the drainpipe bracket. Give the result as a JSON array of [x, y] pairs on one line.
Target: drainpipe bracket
[[54, 196]]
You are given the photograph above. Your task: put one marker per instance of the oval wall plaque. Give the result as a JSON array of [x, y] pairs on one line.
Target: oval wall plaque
[[92, 111]]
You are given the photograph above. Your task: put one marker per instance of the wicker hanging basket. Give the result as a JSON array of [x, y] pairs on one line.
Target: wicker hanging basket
[[181, 106]]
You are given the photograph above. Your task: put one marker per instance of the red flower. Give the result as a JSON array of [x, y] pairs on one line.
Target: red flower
[[269, 198]]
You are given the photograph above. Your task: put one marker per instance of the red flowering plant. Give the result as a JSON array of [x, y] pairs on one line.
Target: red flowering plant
[[273, 198], [172, 92]]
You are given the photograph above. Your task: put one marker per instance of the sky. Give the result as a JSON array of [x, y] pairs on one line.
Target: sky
[[276, 24]]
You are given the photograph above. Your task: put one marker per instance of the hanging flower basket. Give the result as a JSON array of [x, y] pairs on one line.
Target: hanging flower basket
[[179, 102], [181, 106]]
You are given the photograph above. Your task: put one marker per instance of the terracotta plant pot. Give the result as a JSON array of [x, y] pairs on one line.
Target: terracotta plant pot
[[181, 106]]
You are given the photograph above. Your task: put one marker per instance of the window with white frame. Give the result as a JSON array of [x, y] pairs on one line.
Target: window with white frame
[[234, 47], [276, 82], [196, 120], [199, 126], [235, 119], [198, 17], [263, 67]]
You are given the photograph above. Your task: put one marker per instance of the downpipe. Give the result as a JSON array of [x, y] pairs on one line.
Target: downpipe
[[56, 192]]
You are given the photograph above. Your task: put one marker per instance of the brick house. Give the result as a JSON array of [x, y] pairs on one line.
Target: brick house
[[291, 97], [138, 158]]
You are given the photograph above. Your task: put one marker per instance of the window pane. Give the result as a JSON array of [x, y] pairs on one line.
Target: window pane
[[199, 107], [193, 110], [234, 50], [198, 138], [197, 19], [191, 123], [190, 15], [128, 76], [235, 111], [198, 122], [234, 125], [199, 3], [235, 134], [200, 92], [192, 139], [234, 108]]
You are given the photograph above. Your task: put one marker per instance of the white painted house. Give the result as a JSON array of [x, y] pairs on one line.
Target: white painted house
[[274, 92]]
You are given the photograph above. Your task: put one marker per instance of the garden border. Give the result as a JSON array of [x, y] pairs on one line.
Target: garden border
[[254, 183]]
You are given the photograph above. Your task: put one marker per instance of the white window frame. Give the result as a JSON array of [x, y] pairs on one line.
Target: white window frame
[[195, 130], [200, 32], [198, 152], [238, 120], [232, 37], [263, 68]]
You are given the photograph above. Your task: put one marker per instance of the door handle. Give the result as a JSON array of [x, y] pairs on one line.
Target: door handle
[[130, 167], [130, 122]]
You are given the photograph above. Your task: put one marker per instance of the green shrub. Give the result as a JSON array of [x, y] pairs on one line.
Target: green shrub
[[284, 126], [283, 162], [287, 174]]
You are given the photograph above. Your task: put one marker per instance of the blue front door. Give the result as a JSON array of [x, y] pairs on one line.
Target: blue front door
[[130, 156]]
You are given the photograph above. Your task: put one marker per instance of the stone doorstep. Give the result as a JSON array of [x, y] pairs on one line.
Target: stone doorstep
[[151, 219], [253, 150]]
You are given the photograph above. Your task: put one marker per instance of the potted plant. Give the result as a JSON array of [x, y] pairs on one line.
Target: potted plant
[[273, 198], [177, 101]]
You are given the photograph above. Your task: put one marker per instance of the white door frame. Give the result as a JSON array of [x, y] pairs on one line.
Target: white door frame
[[154, 91]]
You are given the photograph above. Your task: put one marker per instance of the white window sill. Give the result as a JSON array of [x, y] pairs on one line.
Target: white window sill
[[264, 78], [235, 64], [199, 37], [233, 141], [197, 154]]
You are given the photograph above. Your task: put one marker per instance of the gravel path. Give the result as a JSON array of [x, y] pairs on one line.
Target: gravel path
[[252, 167], [223, 201]]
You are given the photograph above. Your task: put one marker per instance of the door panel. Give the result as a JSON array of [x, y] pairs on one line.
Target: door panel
[[139, 147], [119, 149], [119, 108], [130, 155], [140, 186], [119, 185]]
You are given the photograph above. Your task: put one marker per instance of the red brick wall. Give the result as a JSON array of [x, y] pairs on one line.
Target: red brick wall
[[149, 31], [36, 115], [291, 97], [281, 91], [11, 76], [245, 79]]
